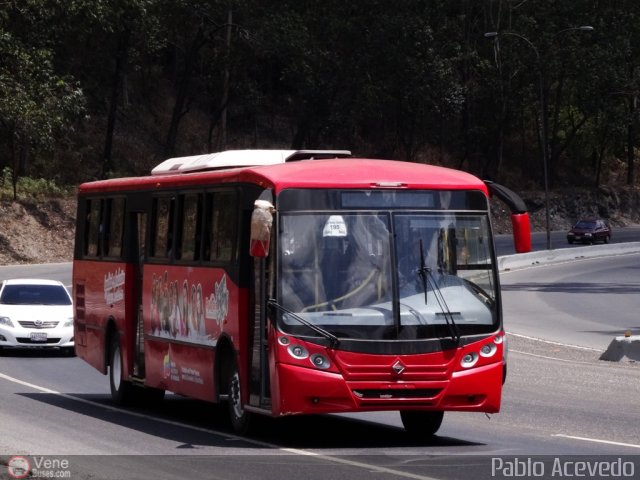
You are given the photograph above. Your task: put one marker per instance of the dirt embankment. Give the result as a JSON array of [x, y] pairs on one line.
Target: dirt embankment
[[37, 231]]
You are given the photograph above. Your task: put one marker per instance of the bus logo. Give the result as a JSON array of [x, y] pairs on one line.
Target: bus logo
[[398, 367], [18, 467]]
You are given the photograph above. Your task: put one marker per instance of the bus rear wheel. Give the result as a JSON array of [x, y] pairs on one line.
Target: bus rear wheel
[[240, 418], [121, 390], [421, 424]]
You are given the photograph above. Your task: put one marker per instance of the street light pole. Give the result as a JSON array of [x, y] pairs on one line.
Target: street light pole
[[542, 99]]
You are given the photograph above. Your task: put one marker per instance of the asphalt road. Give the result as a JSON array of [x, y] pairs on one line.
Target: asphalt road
[[559, 401], [52, 271], [585, 302]]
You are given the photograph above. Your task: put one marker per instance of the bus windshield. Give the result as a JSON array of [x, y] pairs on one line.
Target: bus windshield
[[394, 275]]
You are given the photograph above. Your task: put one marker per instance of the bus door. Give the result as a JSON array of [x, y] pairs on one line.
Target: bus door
[[261, 221], [260, 391], [138, 229]]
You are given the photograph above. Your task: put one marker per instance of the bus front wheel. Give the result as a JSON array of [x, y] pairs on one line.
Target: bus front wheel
[[121, 390], [240, 418], [423, 424]]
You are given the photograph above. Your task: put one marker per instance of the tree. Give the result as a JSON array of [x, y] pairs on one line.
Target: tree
[[191, 26], [112, 38], [35, 103]]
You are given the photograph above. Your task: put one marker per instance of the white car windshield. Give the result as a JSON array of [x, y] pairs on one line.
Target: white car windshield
[[27, 294]]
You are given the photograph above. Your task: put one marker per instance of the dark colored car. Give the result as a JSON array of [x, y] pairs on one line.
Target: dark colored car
[[590, 231]]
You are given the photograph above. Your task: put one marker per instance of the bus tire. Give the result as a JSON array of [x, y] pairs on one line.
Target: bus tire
[[239, 417], [422, 424], [121, 390]]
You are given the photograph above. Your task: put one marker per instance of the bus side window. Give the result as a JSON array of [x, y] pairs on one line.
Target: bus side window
[[220, 228], [92, 227], [189, 227], [162, 235], [114, 218]]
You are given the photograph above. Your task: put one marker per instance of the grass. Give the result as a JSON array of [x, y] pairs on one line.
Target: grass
[[31, 188]]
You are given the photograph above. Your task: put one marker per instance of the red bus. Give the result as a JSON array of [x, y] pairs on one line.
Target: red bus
[[295, 282]]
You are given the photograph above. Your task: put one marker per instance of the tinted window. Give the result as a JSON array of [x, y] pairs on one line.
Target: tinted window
[[92, 227], [115, 219], [162, 240], [586, 224], [382, 199], [331, 199], [221, 226], [35, 295], [189, 219]]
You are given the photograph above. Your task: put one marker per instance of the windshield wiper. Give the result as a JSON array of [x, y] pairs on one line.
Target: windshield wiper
[[426, 275], [415, 313], [480, 292], [424, 271], [448, 316], [333, 340]]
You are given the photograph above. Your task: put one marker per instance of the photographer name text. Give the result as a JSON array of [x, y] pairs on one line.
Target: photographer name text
[[560, 468]]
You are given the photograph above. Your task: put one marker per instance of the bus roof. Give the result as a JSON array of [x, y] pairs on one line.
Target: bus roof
[[241, 158], [325, 173]]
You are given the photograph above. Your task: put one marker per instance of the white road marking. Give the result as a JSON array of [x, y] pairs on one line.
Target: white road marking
[[511, 334], [597, 440], [295, 451], [549, 358]]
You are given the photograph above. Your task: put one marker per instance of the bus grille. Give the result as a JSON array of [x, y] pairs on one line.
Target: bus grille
[[387, 393]]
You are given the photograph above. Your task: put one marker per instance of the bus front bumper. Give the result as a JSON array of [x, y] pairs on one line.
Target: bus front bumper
[[307, 391]]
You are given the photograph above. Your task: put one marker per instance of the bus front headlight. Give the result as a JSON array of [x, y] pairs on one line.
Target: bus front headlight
[[298, 351], [320, 361], [488, 350], [469, 360]]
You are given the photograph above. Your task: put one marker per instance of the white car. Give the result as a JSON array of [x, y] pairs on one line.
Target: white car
[[35, 313]]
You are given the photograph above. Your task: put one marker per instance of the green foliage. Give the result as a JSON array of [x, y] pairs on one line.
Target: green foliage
[[36, 103], [31, 188], [412, 80]]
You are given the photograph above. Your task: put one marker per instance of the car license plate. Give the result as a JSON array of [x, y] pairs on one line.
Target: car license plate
[[38, 337]]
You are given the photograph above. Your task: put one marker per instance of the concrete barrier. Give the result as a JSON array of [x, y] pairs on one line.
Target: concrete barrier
[[524, 260], [623, 348]]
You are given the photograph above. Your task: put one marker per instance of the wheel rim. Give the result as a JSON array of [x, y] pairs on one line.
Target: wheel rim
[[234, 396], [116, 368]]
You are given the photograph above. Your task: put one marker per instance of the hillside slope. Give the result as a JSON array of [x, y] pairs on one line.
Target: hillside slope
[[37, 231]]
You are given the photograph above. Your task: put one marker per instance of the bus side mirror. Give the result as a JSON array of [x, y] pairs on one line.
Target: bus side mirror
[[521, 232], [261, 222], [519, 215]]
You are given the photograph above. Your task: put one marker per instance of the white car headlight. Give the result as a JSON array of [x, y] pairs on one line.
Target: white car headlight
[[6, 321], [68, 323]]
